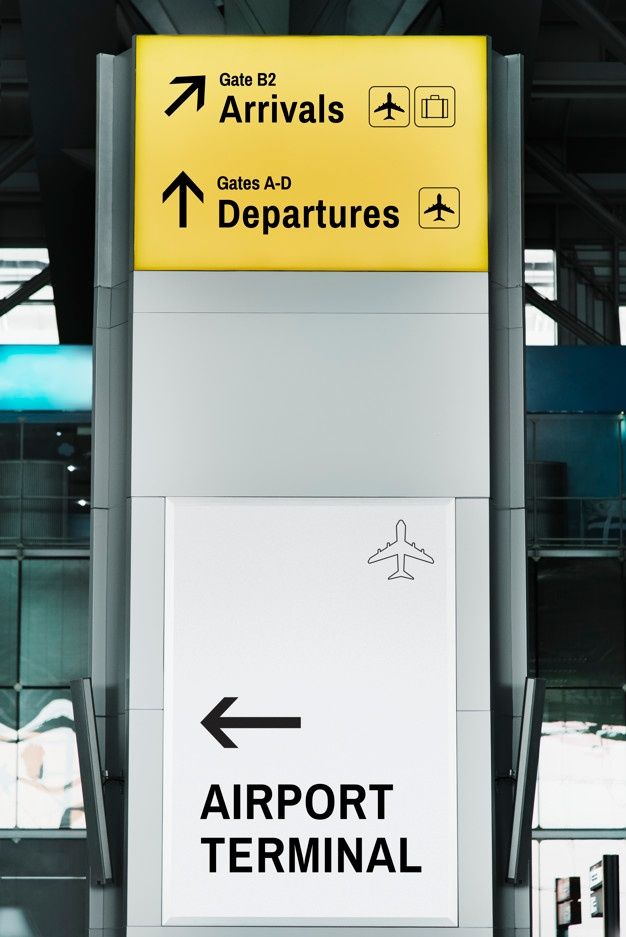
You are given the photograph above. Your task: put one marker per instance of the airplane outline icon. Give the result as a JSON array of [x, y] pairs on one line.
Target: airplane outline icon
[[404, 548], [439, 206], [389, 106]]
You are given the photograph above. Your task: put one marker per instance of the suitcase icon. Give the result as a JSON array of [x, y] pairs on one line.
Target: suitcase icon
[[434, 107]]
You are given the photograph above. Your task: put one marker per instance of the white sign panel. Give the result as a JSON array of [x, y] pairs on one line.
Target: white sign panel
[[310, 713]]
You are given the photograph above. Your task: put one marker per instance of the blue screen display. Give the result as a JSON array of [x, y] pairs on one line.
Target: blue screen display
[[45, 377]]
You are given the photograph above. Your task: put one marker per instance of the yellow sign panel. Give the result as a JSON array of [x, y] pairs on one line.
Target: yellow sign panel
[[311, 153]]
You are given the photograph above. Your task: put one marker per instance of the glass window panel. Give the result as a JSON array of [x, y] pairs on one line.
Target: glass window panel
[[570, 439], [9, 441], [43, 856], [563, 858], [582, 761], [8, 759], [534, 885], [59, 442], [49, 794], [8, 621], [55, 597], [540, 328], [29, 324], [57, 475], [532, 624], [579, 613], [50, 906], [561, 467], [43, 908], [78, 521], [622, 436], [540, 272]]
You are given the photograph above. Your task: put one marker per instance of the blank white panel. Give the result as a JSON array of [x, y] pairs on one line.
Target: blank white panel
[[98, 606], [517, 439], [145, 799], [277, 600], [147, 545], [116, 655], [314, 931], [118, 414], [472, 604], [519, 645], [101, 418], [332, 405], [310, 292], [475, 821]]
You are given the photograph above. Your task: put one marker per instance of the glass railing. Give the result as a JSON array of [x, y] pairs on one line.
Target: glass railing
[[575, 490], [575, 522], [44, 520]]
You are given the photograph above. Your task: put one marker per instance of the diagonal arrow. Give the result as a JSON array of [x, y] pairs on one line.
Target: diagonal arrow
[[215, 722], [196, 83], [182, 182]]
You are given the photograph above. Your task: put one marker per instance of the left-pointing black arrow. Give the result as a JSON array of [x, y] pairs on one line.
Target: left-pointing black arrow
[[215, 722], [183, 183], [196, 83]]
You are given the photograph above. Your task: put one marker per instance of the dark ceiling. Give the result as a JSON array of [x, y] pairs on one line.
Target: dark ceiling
[[575, 92]]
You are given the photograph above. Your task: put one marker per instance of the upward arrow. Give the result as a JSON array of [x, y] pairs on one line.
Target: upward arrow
[[182, 183], [196, 83]]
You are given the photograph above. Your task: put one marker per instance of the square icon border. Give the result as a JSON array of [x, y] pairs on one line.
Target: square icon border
[[390, 126], [423, 126], [432, 227]]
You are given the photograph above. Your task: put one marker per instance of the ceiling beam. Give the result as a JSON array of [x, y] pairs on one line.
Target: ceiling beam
[[580, 193], [62, 95], [156, 16], [589, 17], [407, 14], [318, 17], [579, 80], [564, 318], [386, 17], [187, 17], [570, 262], [16, 158], [256, 17]]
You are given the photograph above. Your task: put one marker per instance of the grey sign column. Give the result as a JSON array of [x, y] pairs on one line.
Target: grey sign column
[[302, 645]]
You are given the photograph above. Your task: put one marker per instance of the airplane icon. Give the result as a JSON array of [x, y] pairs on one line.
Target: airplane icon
[[400, 548], [389, 105], [439, 206]]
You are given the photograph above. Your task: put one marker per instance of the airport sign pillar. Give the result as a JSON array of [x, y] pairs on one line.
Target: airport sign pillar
[[604, 893], [568, 911], [297, 522]]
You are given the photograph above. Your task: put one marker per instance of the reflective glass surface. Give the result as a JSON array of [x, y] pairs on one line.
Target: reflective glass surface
[[34, 320], [8, 621], [569, 441], [39, 773], [8, 759], [44, 891], [574, 480], [45, 473], [9, 441], [582, 762], [577, 616], [562, 858], [55, 597], [49, 794]]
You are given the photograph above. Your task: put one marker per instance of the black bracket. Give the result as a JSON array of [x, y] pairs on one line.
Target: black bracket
[[107, 777]]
